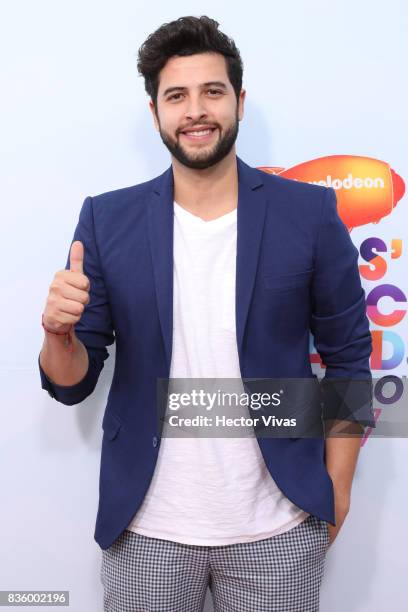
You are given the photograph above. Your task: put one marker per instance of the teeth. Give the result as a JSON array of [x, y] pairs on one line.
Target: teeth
[[200, 133]]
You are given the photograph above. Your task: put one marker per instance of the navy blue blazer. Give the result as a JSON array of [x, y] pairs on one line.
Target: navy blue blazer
[[296, 273]]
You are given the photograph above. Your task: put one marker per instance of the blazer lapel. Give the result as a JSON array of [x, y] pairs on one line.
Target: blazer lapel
[[160, 230], [250, 222]]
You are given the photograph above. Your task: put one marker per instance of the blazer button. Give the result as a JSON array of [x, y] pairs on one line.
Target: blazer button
[[155, 441]]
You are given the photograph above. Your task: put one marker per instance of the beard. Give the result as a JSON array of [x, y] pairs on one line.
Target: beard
[[211, 155]]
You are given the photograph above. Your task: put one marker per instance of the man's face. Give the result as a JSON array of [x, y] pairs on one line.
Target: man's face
[[197, 110]]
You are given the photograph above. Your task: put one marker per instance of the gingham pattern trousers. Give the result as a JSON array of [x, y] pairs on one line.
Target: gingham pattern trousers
[[282, 573]]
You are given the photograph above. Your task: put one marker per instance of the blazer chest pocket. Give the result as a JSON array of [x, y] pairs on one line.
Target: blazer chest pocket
[[111, 425], [285, 282]]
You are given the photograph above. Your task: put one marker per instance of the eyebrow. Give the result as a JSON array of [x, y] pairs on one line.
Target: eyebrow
[[220, 84]]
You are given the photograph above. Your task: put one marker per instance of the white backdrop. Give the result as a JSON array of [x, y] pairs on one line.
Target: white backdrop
[[322, 78]]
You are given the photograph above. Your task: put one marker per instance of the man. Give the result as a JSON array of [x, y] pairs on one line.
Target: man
[[212, 270]]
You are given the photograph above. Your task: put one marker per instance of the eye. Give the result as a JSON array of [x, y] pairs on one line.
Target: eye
[[174, 96], [216, 91]]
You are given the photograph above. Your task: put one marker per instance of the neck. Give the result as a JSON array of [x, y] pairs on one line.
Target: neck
[[207, 193]]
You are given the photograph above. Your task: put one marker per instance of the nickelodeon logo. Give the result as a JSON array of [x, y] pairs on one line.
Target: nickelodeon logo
[[367, 189], [350, 181]]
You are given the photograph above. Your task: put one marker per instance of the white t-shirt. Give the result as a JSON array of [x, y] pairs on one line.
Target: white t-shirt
[[209, 491]]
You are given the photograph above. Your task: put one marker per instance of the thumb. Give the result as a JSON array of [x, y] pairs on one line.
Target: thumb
[[76, 257]]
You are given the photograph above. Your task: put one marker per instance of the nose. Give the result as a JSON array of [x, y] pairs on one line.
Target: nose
[[195, 109]]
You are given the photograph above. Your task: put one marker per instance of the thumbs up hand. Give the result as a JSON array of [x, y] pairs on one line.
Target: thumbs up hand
[[68, 293]]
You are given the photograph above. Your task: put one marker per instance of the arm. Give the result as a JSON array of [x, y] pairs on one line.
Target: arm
[[341, 459], [342, 337], [340, 325], [77, 373]]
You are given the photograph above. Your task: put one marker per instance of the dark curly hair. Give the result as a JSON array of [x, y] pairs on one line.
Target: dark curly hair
[[182, 37]]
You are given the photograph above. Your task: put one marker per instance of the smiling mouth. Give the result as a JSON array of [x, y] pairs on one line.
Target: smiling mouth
[[199, 135]]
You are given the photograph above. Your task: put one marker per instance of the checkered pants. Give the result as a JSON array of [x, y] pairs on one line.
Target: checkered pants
[[282, 573]]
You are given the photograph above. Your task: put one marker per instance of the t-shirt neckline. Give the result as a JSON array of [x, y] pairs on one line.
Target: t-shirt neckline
[[223, 220]]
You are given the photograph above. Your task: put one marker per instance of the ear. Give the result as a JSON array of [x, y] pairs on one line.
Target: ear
[[153, 111], [241, 102]]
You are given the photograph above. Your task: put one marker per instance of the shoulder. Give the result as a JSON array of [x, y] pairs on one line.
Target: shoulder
[[296, 199], [292, 187], [124, 195], [278, 186], [110, 206], [300, 203]]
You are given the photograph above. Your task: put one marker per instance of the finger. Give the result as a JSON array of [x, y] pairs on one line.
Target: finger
[[71, 292], [73, 279], [70, 307], [76, 257]]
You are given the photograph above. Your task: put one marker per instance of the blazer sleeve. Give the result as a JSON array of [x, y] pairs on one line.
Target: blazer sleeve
[[95, 327], [339, 321]]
